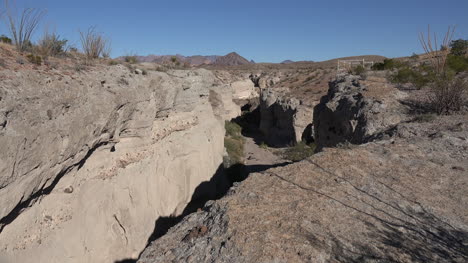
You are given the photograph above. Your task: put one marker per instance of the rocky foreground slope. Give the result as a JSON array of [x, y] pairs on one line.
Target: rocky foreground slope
[[400, 197], [90, 160]]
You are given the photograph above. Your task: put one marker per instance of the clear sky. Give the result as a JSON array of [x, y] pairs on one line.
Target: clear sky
[[262, 30]]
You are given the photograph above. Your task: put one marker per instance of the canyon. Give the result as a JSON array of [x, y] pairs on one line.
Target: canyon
[[126, 163]]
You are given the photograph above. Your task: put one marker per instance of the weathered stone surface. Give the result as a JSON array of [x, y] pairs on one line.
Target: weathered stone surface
[[90, 160], [399, 200], [352, 112], [283, 120]]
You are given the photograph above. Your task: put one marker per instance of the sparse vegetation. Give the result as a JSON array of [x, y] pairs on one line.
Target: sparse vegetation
[[23, 26], [358, 70], [234, 142], [51, 45], [37, 60], [447, 91], [94, 44], [387, 64], [299, 152], [448, 94], [5, 39], [131, 59]]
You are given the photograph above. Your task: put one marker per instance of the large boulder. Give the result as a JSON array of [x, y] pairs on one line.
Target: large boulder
[[354, 113]]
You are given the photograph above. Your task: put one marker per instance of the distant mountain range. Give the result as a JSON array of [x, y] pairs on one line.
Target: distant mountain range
[[231, 59]]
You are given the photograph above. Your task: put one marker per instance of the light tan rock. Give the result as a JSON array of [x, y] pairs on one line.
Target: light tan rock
[[101, 155]]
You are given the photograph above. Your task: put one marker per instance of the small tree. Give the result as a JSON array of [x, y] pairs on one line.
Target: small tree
[[23, 26], [94, 44]]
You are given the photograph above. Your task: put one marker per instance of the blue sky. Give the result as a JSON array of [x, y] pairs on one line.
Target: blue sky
[[265, 31]]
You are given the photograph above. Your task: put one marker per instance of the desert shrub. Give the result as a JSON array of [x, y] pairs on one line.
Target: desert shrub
[[299, 152], [459, 47], [418, 77], [457, 63], [235, 149], [94, 44], [34, 59], [234, 142], [5, 39], [173, 59], [113, 62], [131, 59], [387, 64], [51, 45], [358, 70], [232, 129], [263, 145], [448, 94]]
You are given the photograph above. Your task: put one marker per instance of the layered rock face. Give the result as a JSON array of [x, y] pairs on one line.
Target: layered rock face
[[352, 112], [90, 160], [401, 198], [283, 120]]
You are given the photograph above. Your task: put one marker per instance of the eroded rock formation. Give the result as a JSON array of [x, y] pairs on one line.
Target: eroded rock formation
[[401, 198], [91, 160], [352, 112], [283, 120]]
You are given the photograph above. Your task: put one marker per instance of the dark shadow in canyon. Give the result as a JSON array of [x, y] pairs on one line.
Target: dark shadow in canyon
[[214, 189]]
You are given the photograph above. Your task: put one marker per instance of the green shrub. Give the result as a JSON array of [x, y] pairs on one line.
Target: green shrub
[[235, 149], [388, 64], [51, 45], [113, 62], [232, 129], [299, 152], [358, 70], [459, 47], [457, 63], [5, 39], [34, 59], [419, 78], [131, 59], [234, 142]]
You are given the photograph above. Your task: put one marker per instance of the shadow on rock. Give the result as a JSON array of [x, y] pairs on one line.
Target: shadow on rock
[[214, 189]]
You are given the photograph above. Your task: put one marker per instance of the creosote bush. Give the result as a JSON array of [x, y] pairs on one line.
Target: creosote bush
[[131, 59], [5, 39], [37, 60], [234, 142], [299, 152], [51, 45], [448, 94]]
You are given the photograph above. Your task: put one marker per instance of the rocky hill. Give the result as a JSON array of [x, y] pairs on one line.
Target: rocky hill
[[231, 59], [398, 194]]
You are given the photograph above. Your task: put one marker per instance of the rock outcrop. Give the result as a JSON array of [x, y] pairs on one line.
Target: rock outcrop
[[91, 160], [352, 112], [283, 120], [401, 199]]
